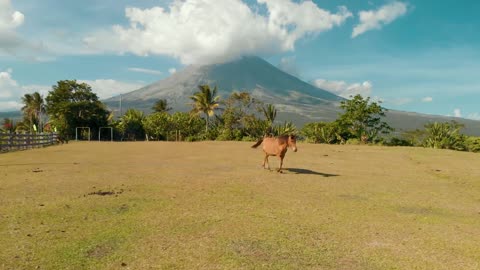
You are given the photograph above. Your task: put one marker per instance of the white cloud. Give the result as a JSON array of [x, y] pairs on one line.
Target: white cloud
[[427, 99], [9, 18], [344, 89], [144, 70], [11, 91], [8, 86], [172, 70], [457, 113], [212, 31], [370, 20], [105, 88]]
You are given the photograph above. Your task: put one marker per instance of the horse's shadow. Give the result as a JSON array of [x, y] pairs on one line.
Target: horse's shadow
[[307, 171]]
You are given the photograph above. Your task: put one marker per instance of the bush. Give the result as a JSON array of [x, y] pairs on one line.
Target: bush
[[444, 136], [157, 125], [399, 142], [472, 144], [322, 132], [353, 141], [248, 139]]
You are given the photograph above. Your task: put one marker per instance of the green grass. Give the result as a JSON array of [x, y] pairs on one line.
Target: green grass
[[209, 205]]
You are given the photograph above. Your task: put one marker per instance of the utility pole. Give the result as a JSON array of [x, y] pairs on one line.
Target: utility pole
[[120, 105]]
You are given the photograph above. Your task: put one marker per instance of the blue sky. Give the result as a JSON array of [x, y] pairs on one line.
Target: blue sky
[[420, 56]]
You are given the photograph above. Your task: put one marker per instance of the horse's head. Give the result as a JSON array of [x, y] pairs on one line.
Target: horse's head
[[292, 142]]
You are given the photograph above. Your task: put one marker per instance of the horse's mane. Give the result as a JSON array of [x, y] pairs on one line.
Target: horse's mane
[[282, 138]]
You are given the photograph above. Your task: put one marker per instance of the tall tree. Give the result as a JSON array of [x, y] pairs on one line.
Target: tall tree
[[161, 106], [363, 119], [33, 109], [237, 106], [205, 101], [71, 104]]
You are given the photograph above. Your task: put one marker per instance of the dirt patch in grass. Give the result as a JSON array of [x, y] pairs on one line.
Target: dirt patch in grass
[[100, 251], [107, 192]]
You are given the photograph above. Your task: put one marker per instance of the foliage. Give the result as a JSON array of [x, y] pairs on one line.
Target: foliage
[[8, 125], [270, 112], [363, 119], [187, 125], [415, 137], [472, 143], [178, 126], [255, 127], [157, 125], [444, 136], [161, 106], [396, 141], [205, 101], [353, 141], [287, 128], [239, 109], [131, 125], [33, 109], [71, 104], [321, 132]]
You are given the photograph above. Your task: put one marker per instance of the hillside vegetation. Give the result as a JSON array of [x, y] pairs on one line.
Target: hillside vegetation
[[210, 205]]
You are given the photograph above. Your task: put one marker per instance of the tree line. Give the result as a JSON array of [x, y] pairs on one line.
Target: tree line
[[240, 116]]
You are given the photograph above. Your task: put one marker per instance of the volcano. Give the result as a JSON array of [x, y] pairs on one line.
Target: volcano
[[295, 100]]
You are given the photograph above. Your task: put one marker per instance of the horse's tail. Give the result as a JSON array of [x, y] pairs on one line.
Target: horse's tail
[[258, 143]]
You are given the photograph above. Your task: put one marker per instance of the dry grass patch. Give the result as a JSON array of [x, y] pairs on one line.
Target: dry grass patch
[[210, 205]]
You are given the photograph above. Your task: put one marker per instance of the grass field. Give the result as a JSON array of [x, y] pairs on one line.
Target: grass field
[[209, 205]]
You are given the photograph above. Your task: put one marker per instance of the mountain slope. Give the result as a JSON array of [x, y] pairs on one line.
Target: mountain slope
[[250, 74], [296, 100]]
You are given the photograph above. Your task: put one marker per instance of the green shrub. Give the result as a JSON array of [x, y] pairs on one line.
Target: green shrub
[[444, 136], [399, 142], [353, 141], [322, 132], [472, 144], [248, 139]]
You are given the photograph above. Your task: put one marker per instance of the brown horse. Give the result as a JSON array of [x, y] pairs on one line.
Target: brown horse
[[277, 146]]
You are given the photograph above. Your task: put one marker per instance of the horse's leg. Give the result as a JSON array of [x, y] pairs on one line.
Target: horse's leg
[[281, 163], [268, 163], [265, 160]]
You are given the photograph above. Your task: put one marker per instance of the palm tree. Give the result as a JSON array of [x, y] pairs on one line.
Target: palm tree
[[161, 106], [39, 107], [270, 114], [205, 101], [34, 107]]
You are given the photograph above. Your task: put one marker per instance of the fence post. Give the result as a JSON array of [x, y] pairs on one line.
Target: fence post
[[10, 140], [27, 140]]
